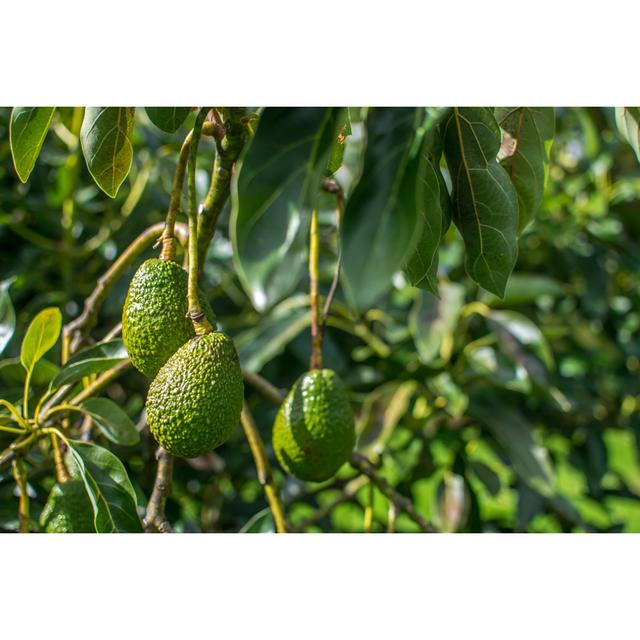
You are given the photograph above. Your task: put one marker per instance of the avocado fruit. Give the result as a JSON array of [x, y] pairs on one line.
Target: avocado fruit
[[194, 402], [314, 429], [155, 323], [68, 509]]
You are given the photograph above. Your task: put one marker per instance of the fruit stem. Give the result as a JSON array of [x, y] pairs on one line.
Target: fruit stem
[[201, 324], [20, 476], [316, 333], [168, 251], [263, 469], [76, 331], [155, 519]]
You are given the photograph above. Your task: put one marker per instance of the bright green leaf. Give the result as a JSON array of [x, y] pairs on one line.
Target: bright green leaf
[[27, 130], [628, 123], [42, 334]]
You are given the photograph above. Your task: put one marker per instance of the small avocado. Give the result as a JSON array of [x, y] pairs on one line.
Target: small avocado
[[68, 509], [194, 403], [314, 430], [154, 317]]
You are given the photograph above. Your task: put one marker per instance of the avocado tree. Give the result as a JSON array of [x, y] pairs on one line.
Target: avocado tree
[[338, 282]]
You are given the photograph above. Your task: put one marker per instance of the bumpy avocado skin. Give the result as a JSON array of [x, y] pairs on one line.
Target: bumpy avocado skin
[[314, 430], [68, 510], [154, 317], [194, 403]]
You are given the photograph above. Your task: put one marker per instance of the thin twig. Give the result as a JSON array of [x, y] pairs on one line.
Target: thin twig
[[263, 469], [363, 465], [155, 520], [20, 476], [332, 186], [101, 381]]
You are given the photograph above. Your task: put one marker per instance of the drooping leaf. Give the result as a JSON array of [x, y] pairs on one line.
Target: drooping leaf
[[514, 434], [110, 492], [27, 130], [485, 204], [628, 123], [42, 334], [168, 119], [7, 314], [106, 145], [112, 421], [274, 191], [381, 214], [95, 359], [433, 320], [532, 129]]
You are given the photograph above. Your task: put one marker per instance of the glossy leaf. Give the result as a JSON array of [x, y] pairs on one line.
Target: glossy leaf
[[7, 314], [108, 487], [381, 215], [274, 191], [168, 119], [111, 420], [531, 129], [485, 204], [95, 359], [106, 145], [27, 130], [628, 123], [433, 321], [42, 334]]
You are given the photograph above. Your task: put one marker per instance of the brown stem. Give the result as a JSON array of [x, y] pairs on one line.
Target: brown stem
[[363, 465], [316, 334], [333, 187], [155, 520], [76, 331], [264, 386], [263, 469], [20, 476], [101, 381]]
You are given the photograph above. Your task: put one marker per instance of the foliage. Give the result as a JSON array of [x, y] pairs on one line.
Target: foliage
[[498, 394]]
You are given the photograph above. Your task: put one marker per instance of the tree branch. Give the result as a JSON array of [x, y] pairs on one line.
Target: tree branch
[[155, 520], [263, 469], [20, 476]]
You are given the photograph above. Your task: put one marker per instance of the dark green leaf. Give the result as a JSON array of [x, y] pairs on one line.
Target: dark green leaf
[[485, 205], [7, 314], [487, 476], [531, 130], [12, 372], [112, 421], [168, 119], [106, 145], [628, 123], [108, 486], [42, 334], [27, 131], [381, 215], [96, 359], [274, 192]]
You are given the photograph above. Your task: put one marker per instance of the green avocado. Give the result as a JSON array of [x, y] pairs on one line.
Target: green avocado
[[314, 430], [68, 509], [194, 403], [154, 317]]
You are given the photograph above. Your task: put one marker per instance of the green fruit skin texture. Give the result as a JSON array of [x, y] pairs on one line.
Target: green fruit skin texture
[[68, 509], [314, 430], [195, 401], [154, 317]]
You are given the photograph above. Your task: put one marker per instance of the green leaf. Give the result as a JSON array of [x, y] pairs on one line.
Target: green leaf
[[485, 208], [433, 321], [531, 129], [381, 215], [274, 191], [261, 522], [7, 314], [168, 119], [12, 372], [42, 334], [112, 421], [337, 154], [529, 459], [96, 359], [526, 288], [106, 145], [628, 123], [27, 130], [110, 492]]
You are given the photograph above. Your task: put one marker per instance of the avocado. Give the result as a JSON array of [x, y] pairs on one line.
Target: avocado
[[154, 317], [194, 403], [68, 509], [314, 430]]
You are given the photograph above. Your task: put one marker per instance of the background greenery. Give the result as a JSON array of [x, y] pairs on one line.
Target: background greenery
[[513, 414]]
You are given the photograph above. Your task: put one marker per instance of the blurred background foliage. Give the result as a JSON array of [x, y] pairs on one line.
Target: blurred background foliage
[[514, 414]]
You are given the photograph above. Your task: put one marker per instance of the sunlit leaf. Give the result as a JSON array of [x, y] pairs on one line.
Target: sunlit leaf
[[628, 123], [27, 130], [7, 314], [42, 334]]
